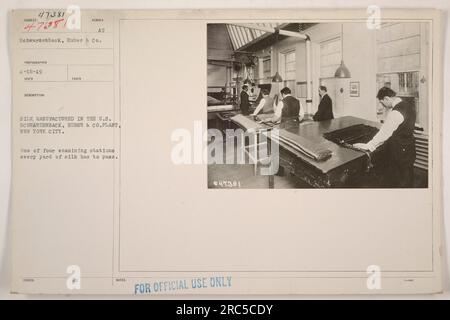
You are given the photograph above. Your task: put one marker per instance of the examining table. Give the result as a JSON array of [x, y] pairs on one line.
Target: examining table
[[346, 168]]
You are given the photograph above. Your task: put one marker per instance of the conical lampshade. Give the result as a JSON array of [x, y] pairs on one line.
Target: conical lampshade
[[342, 71], [277, 78]]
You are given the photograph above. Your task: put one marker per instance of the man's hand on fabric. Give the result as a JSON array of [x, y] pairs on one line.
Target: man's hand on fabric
[[362, 146]]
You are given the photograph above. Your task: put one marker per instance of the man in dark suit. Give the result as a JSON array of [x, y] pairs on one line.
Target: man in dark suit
[[325, 110], [245, 103]]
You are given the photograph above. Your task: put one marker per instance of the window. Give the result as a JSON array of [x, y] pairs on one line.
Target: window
[[330, 57], [288, 70], [267, 68], [398, 47], [289, 65], [291, 85], [399, 65]]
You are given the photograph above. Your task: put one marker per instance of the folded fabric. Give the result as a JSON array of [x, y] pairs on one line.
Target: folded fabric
[[247, 123], [359, 133], [226, 115], [305, 146], [266, 118]]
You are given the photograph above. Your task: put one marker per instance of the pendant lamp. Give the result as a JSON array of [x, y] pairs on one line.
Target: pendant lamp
[[342, 71]]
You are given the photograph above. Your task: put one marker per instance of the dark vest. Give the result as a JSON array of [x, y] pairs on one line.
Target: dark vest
[[291, 109], [402, 143]]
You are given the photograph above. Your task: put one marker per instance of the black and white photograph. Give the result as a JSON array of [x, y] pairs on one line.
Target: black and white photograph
[[333, 104], [145, 147]]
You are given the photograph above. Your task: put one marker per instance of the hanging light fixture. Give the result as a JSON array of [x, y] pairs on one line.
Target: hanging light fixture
[[277, 77], [342, 71]]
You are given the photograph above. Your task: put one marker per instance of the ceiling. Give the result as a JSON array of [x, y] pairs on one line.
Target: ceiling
[[248, 39], [227, 41]]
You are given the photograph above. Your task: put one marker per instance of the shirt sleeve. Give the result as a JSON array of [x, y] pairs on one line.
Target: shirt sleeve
[[259, 107], [393, 120], [301, 112], [278, 110]]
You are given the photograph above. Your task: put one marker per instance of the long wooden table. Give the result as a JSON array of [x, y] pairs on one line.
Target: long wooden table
[[345, 168]]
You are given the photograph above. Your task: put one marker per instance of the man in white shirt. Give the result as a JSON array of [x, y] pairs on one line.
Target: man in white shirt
[[289, 108], [265, 105], [398, 133]]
